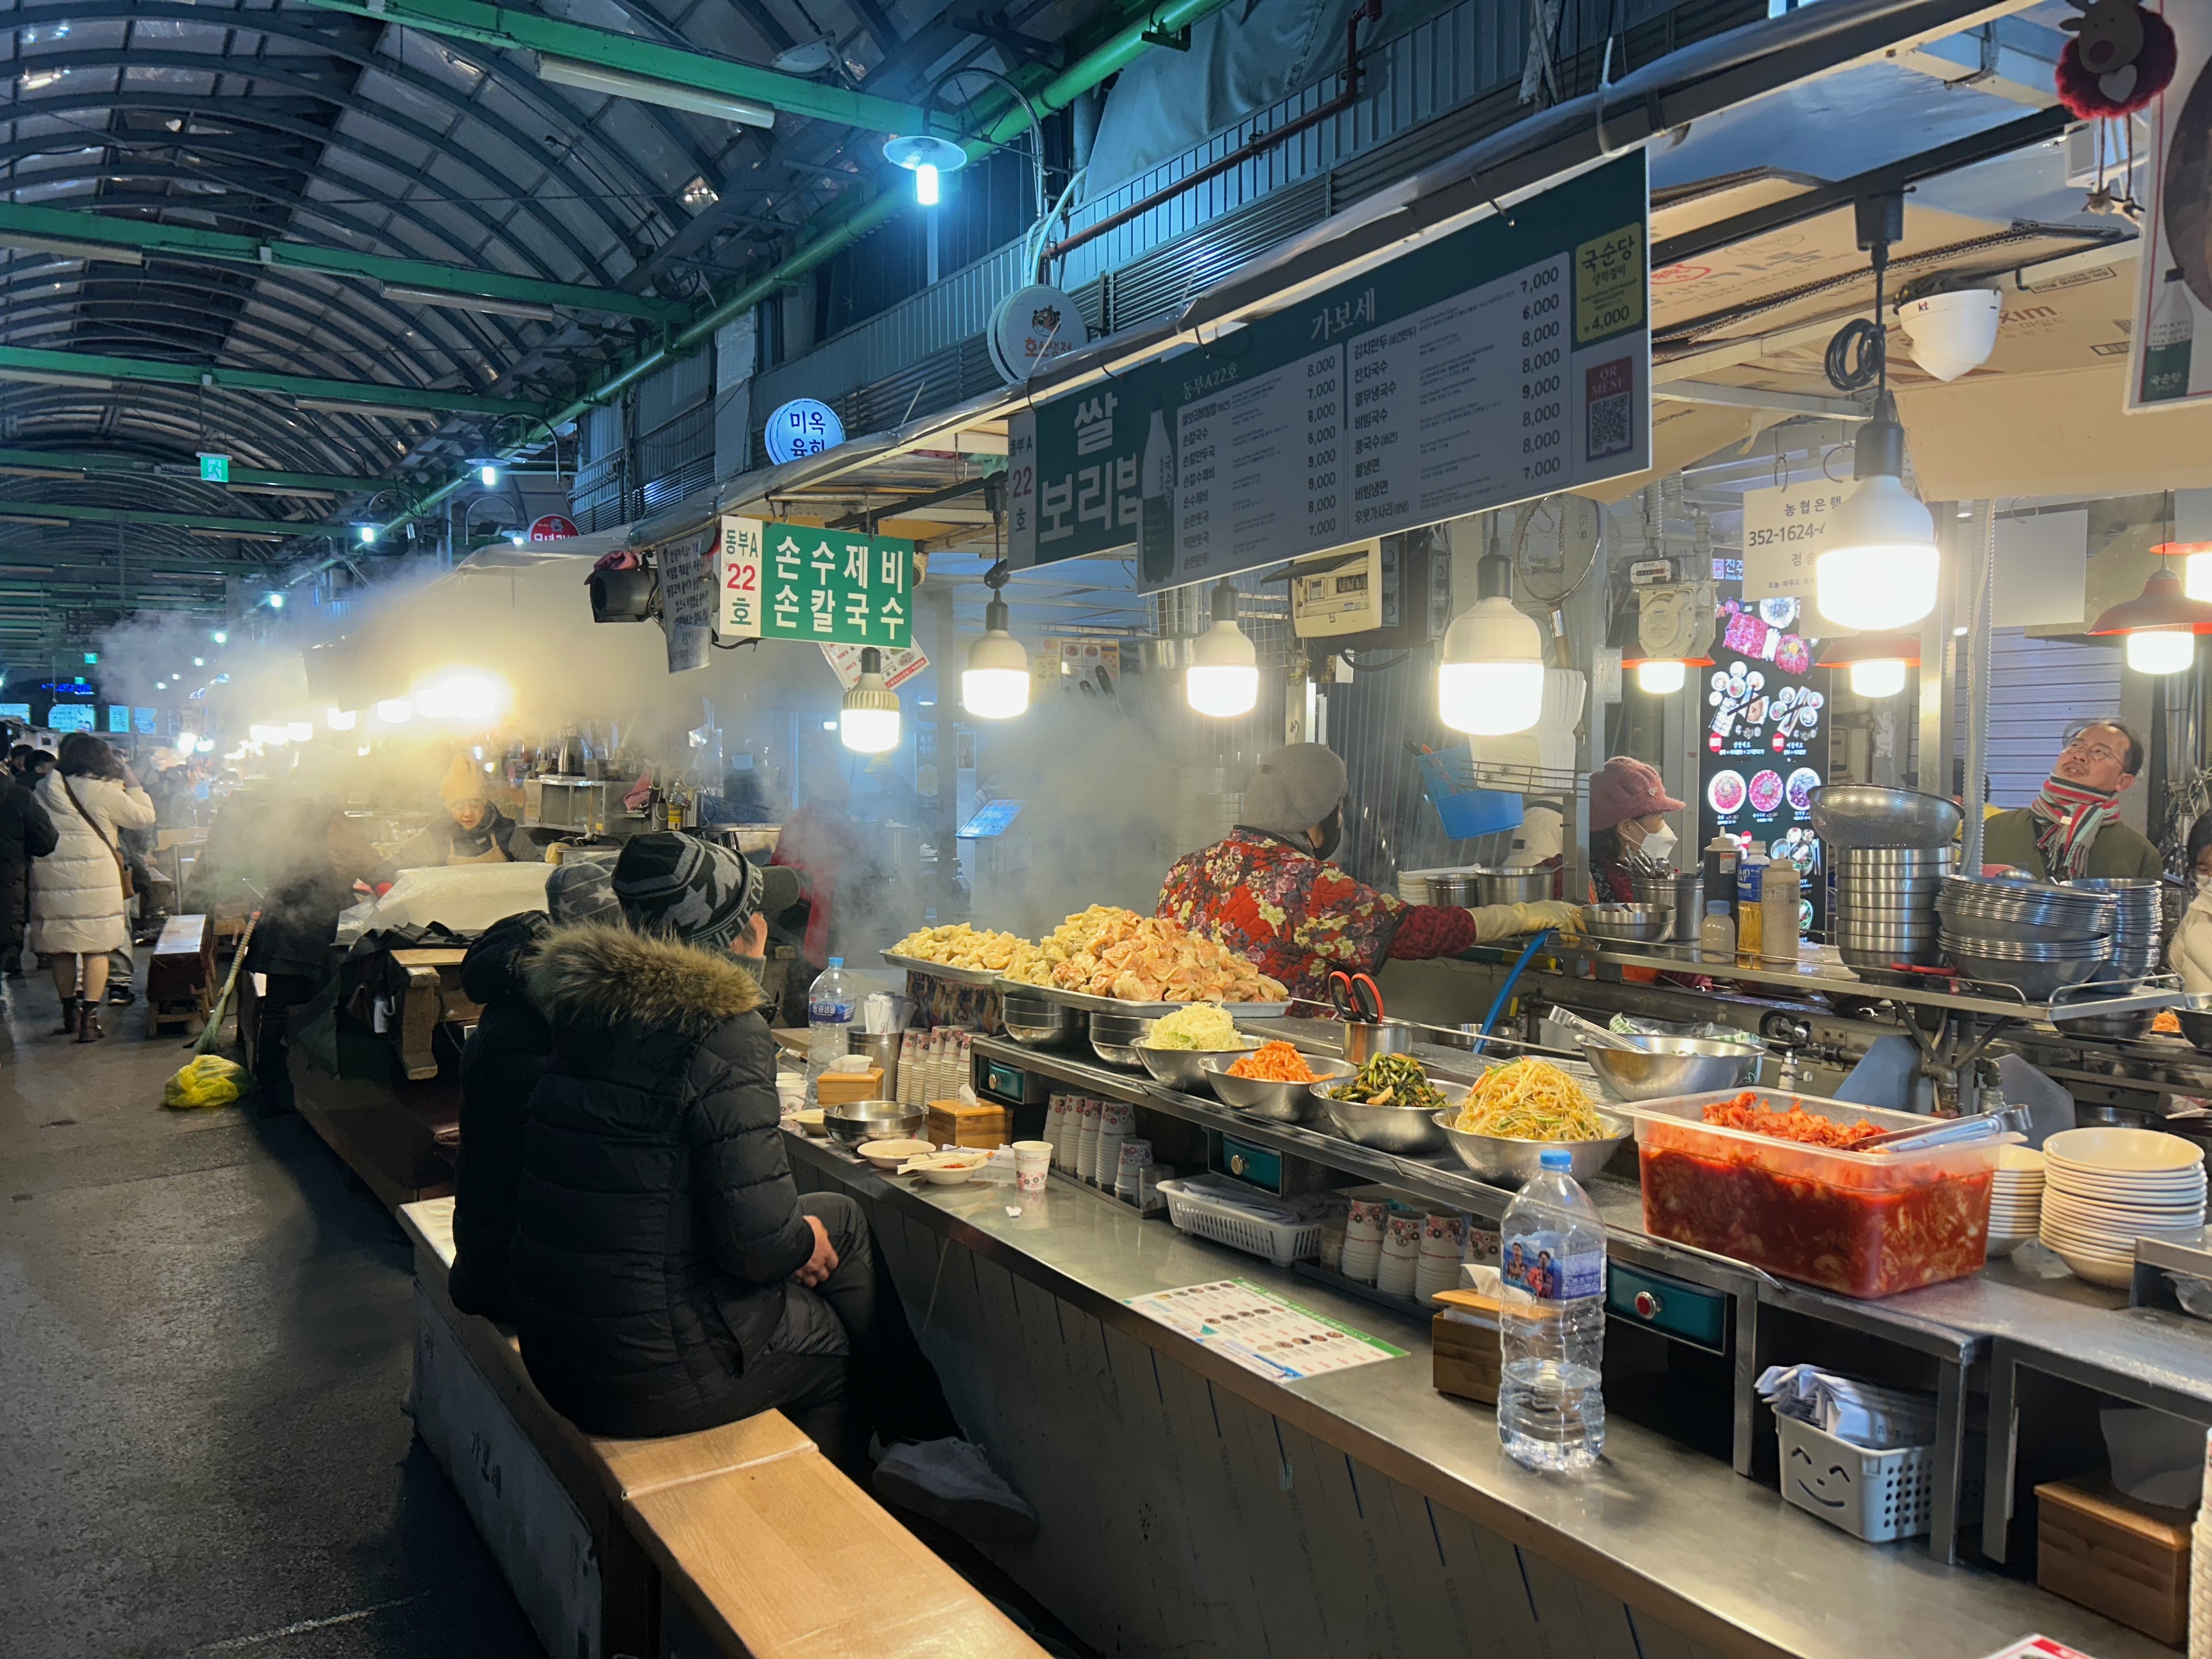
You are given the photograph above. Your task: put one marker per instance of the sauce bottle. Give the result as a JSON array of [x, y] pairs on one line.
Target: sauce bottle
[[1716, 933], [1748, 919], [1777, 906]]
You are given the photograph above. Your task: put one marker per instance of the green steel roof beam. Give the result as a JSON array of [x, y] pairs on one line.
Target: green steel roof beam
[[15, 511], [854, 217], [142, 467], [73, 233], [93, 366], [510, 30]]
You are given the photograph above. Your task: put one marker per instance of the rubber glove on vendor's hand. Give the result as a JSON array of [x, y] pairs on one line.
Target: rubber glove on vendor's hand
[[1493, 922]]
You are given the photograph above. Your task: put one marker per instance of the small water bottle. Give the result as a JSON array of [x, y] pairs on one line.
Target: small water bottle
[[830, 1003], [1551, 1405]]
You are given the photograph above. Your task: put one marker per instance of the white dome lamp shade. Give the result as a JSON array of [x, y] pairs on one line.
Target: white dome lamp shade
[[995, 685], [868, 723], [2160, 625], [1881, 568], [1879, 663], [1489, 682], [1222, 679]]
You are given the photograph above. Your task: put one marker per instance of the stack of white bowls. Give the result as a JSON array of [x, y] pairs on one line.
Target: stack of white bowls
[[2106, 1188], [2016, 1199]]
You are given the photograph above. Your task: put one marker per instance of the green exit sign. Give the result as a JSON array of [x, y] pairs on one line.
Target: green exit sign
[[214, 469]]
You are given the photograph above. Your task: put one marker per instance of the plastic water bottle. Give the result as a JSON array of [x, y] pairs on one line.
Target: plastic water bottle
[[1551, 1407], [831, 1002]]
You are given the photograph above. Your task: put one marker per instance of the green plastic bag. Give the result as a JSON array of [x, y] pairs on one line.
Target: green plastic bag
[[207, 1080]]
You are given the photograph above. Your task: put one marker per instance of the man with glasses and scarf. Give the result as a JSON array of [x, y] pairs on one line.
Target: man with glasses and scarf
[[2072, 828]]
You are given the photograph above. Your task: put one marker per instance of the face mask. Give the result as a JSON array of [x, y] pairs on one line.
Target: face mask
[[1332, 832], [1658, 844]]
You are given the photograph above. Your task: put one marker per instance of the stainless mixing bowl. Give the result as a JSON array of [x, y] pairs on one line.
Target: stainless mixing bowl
[[1036, 1023], [1115, 1037], [1184, 1068], [1510, 1162], [1655, 1068], [872, 1120], [1408, 1130], [1628, 924], [1278, 1103]]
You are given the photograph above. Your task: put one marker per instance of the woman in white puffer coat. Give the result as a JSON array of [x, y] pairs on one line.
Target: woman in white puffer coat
[[77, 890]]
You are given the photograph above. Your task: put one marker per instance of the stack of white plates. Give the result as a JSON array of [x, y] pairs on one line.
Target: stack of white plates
[[2105, 1188], [2016, 1199]]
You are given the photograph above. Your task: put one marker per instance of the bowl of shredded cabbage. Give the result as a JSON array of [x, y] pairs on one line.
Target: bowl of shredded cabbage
[[1174, 1049]]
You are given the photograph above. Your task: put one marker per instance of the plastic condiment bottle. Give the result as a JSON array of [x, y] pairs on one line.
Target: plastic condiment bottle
[[1748, 929], [1722, 855], [1716, 933], [1777, 904]]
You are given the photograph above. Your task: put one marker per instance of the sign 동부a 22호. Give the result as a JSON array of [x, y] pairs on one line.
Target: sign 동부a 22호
[[1766, 737], [790, 581], [1506, 361]]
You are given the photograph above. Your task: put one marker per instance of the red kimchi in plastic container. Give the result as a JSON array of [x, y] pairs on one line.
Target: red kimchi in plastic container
[[1863, 1223]]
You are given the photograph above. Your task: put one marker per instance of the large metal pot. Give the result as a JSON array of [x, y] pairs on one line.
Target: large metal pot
[[1855, 815], [1503, 884], [1683, 893]]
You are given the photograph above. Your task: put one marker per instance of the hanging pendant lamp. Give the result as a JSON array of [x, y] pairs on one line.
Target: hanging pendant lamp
[[2159, 625], [1489, 682]]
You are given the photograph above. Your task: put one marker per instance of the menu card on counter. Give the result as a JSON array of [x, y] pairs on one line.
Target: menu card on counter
[[1766, 738], [1262, 1332]]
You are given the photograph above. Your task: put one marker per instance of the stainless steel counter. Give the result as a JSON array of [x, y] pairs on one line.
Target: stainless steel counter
[[1720, 1560]]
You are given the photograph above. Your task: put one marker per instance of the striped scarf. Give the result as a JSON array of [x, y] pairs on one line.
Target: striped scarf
[[2068, 818]]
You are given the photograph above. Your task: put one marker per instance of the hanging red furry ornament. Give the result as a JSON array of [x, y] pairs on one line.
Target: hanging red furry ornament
[[2121, 56]]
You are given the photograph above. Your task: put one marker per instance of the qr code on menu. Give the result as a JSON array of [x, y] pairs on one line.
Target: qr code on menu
[[1607, 390]]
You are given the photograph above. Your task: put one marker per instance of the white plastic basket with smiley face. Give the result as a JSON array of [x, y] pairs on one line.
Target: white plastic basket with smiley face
[[1878, 1496]]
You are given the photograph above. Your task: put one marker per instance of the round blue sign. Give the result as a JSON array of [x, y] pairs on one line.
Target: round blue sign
[[802, 427]]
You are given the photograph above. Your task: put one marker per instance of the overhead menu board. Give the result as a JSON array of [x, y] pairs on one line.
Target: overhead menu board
[[1506, 361]]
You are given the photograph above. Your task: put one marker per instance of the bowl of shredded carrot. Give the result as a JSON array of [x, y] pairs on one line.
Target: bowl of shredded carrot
[[1274, 1081]]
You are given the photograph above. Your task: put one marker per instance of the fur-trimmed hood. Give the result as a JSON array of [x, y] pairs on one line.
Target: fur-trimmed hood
[[610, 977]]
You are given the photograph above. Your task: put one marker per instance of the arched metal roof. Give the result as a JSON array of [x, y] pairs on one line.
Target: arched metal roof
[[294, 124]]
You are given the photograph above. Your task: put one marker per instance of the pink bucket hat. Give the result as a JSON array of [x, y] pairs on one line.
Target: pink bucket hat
[[1623, 789]]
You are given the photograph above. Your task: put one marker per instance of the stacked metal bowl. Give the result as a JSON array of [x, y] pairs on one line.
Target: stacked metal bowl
[[1886, 905], [2035, 938], [2137, 916]]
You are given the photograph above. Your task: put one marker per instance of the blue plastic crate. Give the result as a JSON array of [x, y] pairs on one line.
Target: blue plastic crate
[[1465, 811]]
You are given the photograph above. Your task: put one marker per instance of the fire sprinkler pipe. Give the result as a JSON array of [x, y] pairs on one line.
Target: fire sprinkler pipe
[[1258, 145]]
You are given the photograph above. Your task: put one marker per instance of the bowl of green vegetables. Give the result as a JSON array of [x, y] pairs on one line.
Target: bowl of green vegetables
[[1390, 1104]]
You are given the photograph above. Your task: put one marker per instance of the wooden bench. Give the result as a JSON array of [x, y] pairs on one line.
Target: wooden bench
[[737, 1540]]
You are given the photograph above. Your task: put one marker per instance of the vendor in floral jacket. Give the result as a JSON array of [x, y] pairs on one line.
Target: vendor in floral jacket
[[1268, 892]]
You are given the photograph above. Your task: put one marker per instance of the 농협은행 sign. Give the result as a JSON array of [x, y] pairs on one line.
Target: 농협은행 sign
[[791, 581], [1507, 359]]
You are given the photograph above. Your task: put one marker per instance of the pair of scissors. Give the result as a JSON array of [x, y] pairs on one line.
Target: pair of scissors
[[1355, 998]]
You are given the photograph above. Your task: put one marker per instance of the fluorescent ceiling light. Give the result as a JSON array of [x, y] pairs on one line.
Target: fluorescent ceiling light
[[229, 535], [38, 377], [69, 250], [427, 296], [346, 406], [617, 83]]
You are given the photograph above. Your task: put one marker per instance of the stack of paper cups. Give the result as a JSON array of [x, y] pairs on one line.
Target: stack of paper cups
[[1401, 1253], [1116, 1118], [1087, 1142], [1135, 1155], [1055, 1120], [1071, 1124], [1362, 1239], [963, 1064], [2200, 1568], [909, 1092], [1444, 1244]]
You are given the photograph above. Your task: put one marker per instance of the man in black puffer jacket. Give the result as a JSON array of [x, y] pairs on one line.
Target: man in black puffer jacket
[[667, 1275], [507, 1053]]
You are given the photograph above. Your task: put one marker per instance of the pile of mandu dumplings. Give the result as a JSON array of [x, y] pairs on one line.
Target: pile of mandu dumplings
[[959, 945], [1107, 951]]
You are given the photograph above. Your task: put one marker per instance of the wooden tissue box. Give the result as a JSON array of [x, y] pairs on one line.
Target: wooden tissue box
[[1465, 1356], [843, 1088], [2115, 1555], [956, 1123]]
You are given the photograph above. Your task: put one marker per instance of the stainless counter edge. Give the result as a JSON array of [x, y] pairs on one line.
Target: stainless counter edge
[[1720, 1559]]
